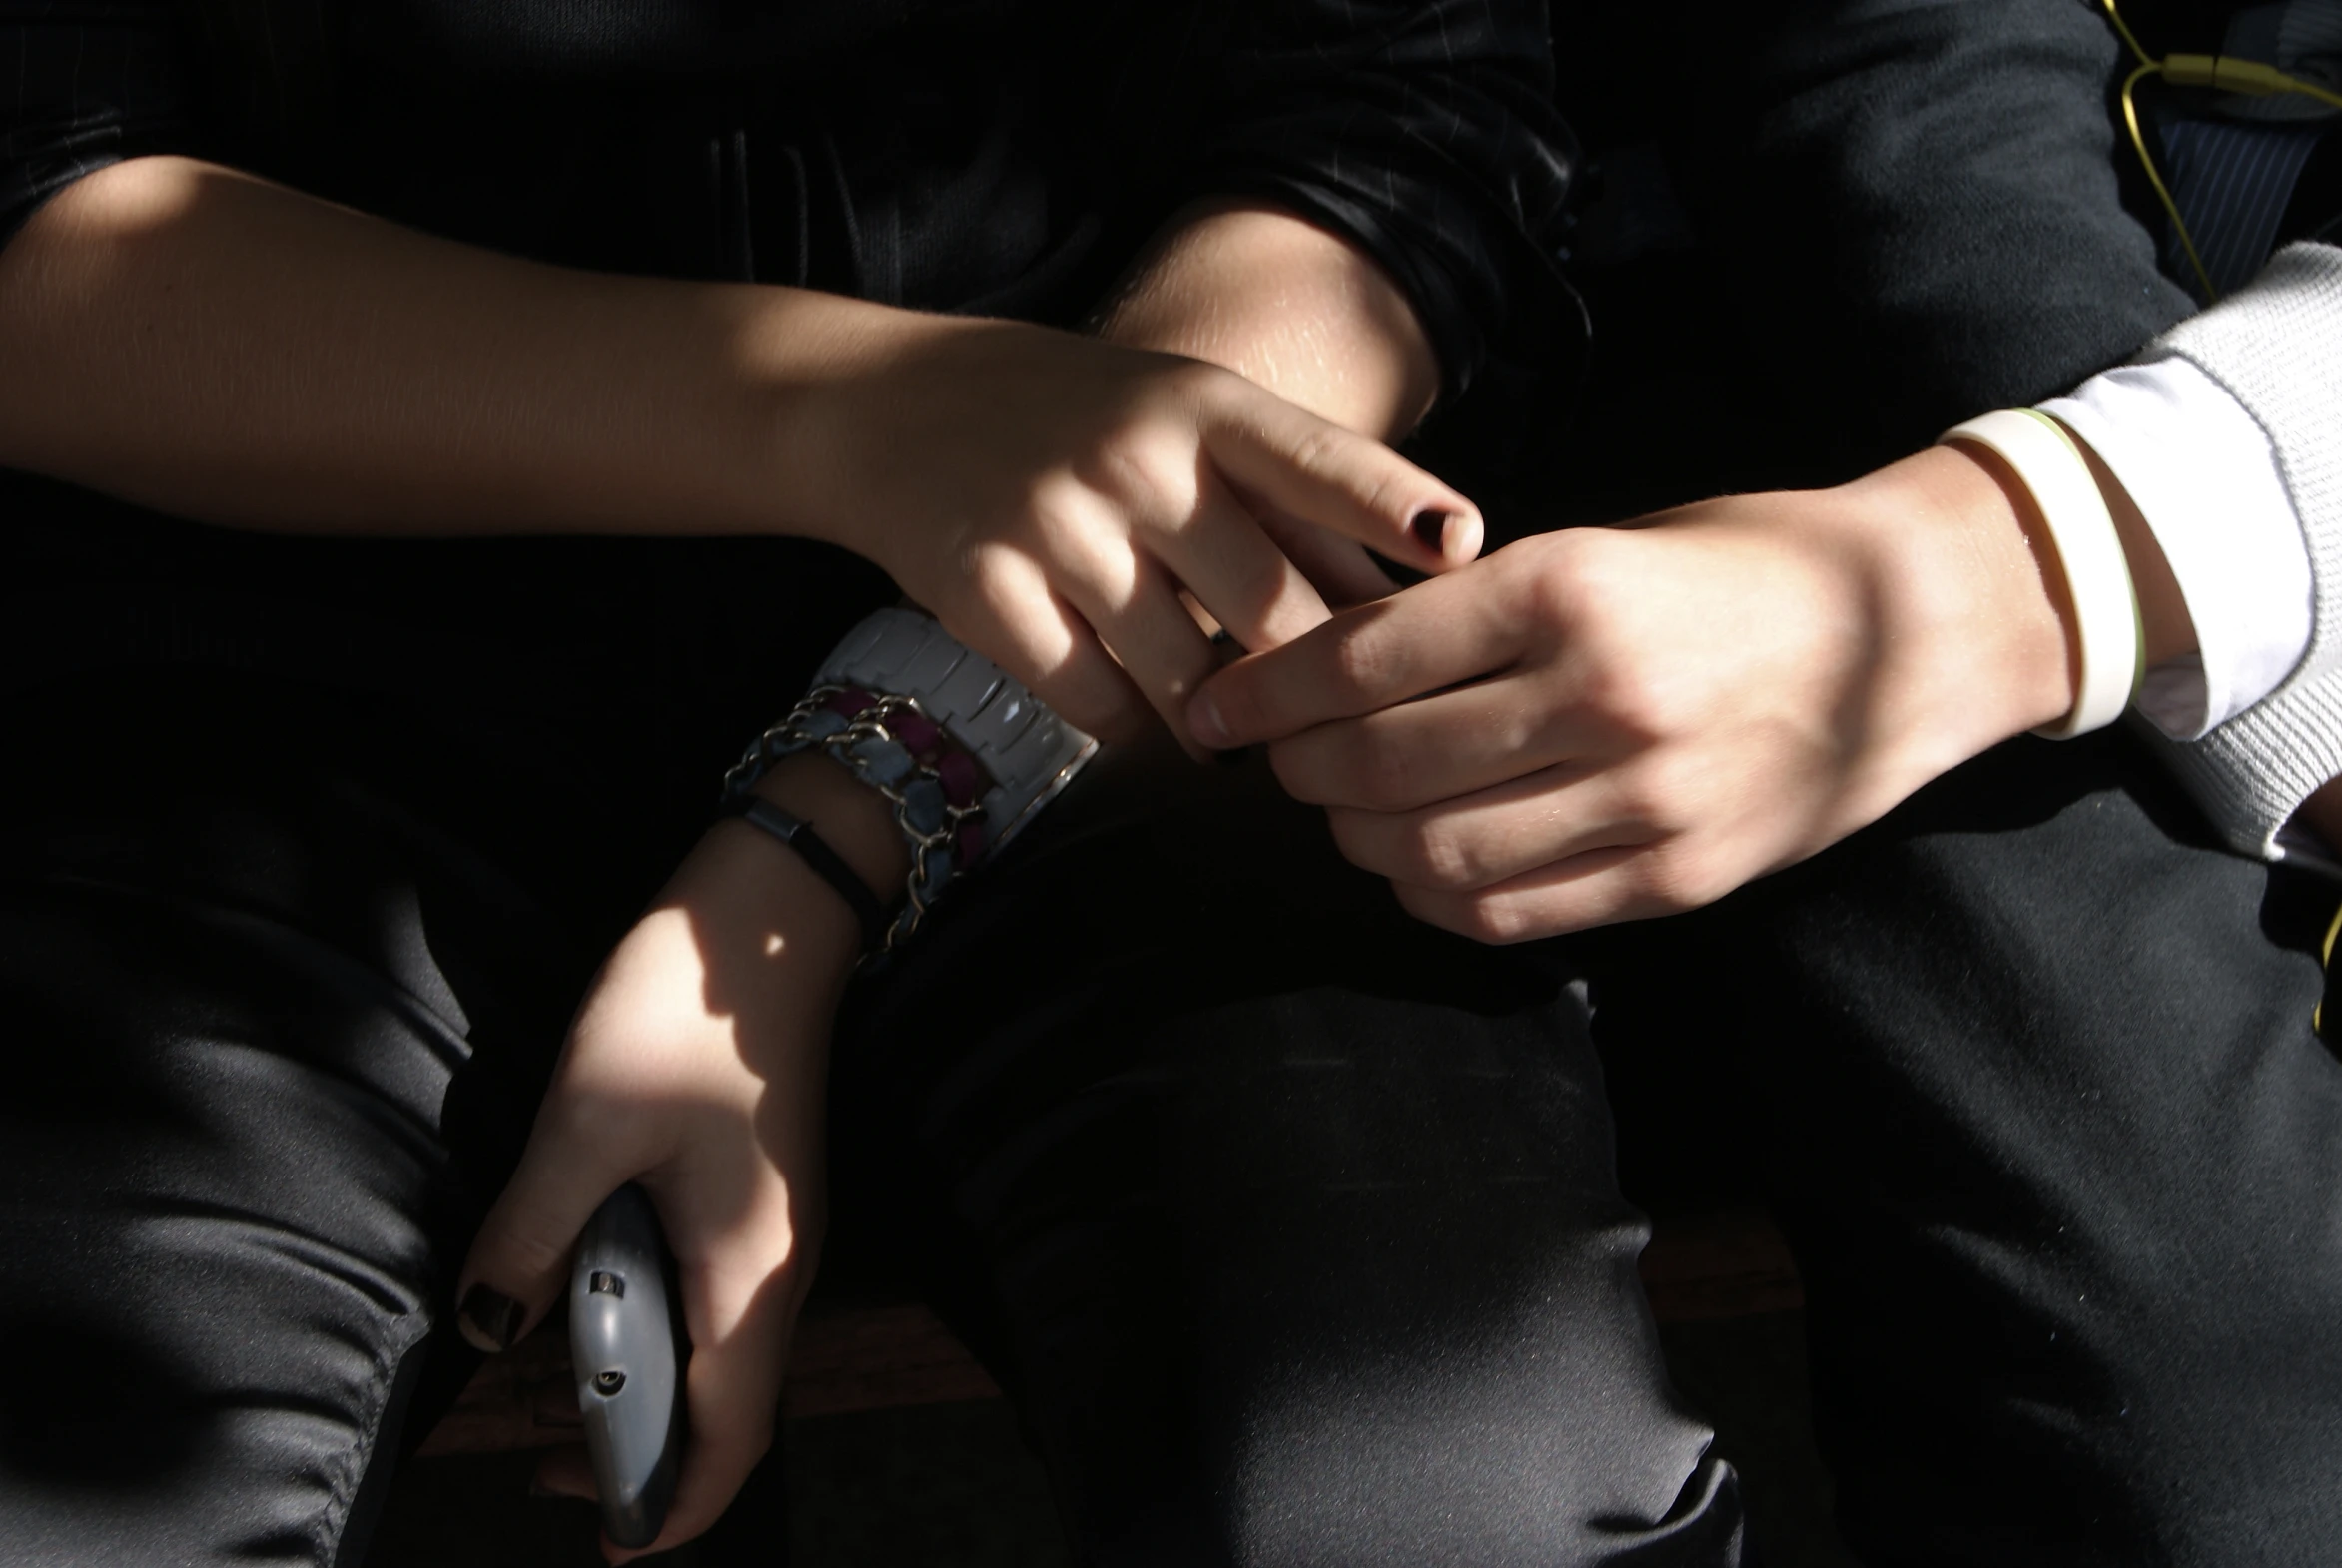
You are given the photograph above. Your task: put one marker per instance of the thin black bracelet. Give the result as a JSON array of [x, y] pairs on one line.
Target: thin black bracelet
[[827, 864]]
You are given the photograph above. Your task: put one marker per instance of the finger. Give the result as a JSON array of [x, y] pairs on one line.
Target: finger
[[1437, 749], [1479, 840], [1142, 622], [741, 1304], [1340, 570], [567, 1471], [1436, 634], [519, 1261], [1235, 571], [1597, 888], [1024, 626], [1310, 470]]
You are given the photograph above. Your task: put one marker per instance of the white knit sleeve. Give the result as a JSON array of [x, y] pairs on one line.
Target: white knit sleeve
[[2204, 476], [2277, 348]]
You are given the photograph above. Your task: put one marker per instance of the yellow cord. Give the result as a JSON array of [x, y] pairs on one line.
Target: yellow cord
[[2155, 175], [2232, 76], [2317, 1014], [2128, 37], [2214, 71]]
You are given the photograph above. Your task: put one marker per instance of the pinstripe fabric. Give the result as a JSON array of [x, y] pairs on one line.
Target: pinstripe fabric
[[2233, 183], [1000, 155]]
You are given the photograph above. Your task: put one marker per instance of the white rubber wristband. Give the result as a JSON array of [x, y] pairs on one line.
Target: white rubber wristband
[[2097, 574]]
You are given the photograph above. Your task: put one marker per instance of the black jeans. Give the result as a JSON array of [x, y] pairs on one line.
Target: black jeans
[[1290, 1222], [1295, 1229]]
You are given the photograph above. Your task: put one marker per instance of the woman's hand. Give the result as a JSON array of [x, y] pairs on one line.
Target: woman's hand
[[696, 1065], [1611, 723], [1049, 497], [196, 339]]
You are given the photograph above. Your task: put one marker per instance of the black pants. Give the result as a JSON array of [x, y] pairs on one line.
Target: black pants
[[1293, 1227], [276, 1023]]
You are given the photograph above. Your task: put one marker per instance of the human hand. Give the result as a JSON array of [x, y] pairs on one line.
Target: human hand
[[1047, 497], [1610, 723], [695, 1065]]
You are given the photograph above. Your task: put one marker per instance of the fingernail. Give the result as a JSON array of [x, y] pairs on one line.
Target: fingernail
[[490, 1319], [1431, 528], [1204, 722], [1469, 533]]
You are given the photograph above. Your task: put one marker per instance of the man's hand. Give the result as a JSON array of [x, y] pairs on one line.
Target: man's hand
[[1610, 723]]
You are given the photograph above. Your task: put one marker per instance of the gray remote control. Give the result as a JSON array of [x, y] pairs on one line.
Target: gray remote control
[[627, 1343]]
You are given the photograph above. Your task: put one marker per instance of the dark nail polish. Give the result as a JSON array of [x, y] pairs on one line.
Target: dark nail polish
[[1431, 528], [489, 1319]]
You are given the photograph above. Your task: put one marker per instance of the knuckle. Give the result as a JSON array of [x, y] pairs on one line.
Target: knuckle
[[987, 566], [1381, 774], [1059, 507], [523, 1250], [1567, 587], [1494, 920], [1679, 875], [1444, 858], [1661, 795], [1360, 664], [1473, 918], [1553, 588], [1142, 468], [1320, 451], [1642, 803], [1620, 689]]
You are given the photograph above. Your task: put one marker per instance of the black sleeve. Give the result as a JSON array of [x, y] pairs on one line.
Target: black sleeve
[[83, 84], [1423, 132], [1948, 194]]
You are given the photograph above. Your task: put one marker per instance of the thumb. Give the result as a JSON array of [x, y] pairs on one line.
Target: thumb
[[519, 1261]]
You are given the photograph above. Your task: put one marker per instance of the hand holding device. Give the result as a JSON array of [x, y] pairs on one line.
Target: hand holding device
[[696, 1067], [628, 1345]]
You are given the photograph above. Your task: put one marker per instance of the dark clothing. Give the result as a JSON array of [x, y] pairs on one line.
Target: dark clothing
[[1292, 1226], [2030, 1074], [1003, 156], [1000, 158], [280, 1015], [1295, 1251]]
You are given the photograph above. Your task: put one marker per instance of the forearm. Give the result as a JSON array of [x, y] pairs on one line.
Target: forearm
[[203, 342], [1288, 305]]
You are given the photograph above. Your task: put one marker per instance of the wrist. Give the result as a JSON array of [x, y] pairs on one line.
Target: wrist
[[1975, 605], [794, 361], [747, 888], [852, 818]]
